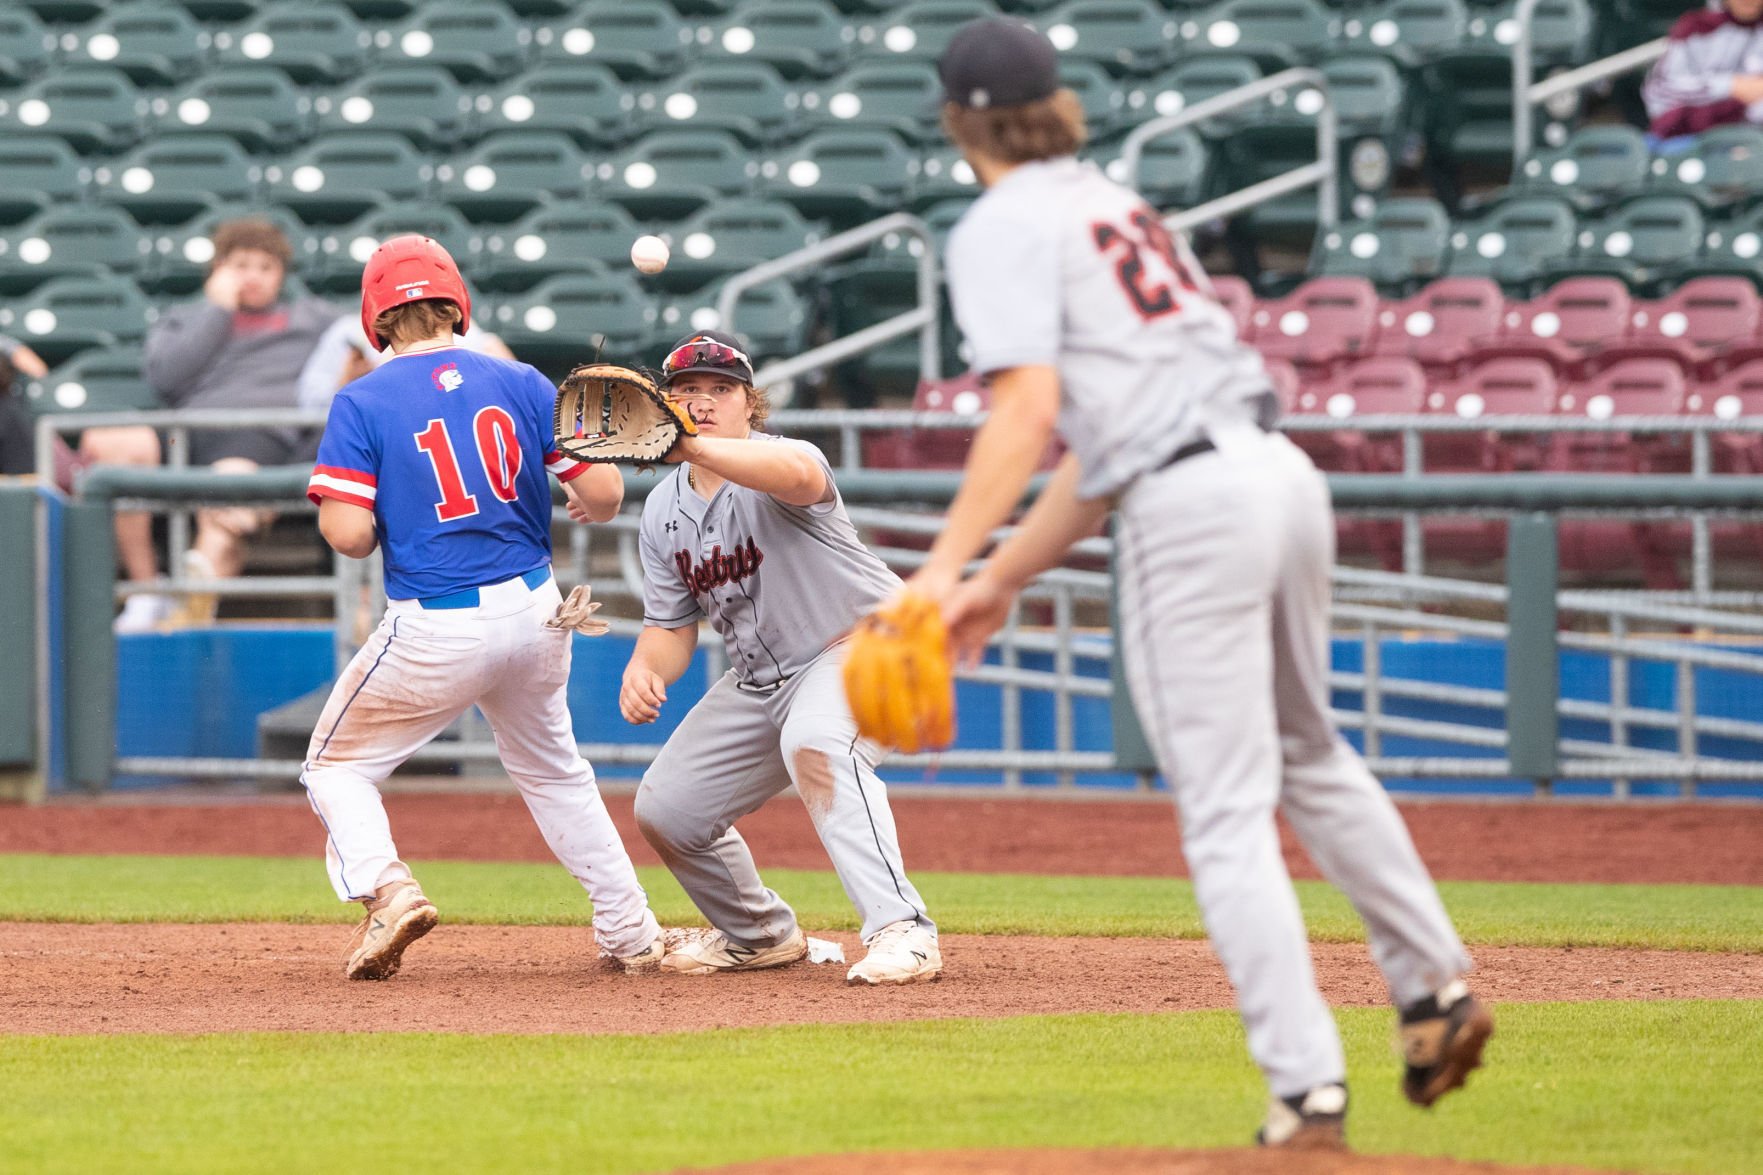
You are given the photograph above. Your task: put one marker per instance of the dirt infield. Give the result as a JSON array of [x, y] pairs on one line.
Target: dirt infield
[[61, 978], [1128, 1162], [1639, 843]]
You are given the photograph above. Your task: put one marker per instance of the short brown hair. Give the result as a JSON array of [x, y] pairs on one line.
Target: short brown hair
[[413, 322], [1043, 129], [251, 233], [758, 406]]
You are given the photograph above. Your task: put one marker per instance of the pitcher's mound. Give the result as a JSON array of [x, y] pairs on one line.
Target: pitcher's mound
[[1127, 1162]]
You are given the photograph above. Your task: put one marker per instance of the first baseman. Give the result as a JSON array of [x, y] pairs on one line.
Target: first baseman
[[751, 533], [439, 458], [1090, 319]]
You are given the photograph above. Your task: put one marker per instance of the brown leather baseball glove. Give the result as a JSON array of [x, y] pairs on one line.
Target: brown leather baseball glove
[[610, 413]]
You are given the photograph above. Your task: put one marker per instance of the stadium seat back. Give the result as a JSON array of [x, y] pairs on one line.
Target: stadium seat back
[[1411, 30], [1597, 165], [70, 314], [1569, 322], [1323, 322], [1175, 170], [344, 175], [317, 43], [510, 173], [347, 249], [1562, 31], [103, 379], [573, 315], [672, 172], [856, 173], [1278, 33], [92, 108], [1122, 36], [1718, 168], [772, 320], [920, 31], [900, 96], [1515, 242], [422, 103], [745, 97], [1701, 319], [155, 44], [259, 107], [175, 177], [737, 234], [578, 98], [477, 42], [1736, 394], [26, 47], [559, 238], [1442, 325], [635, 38], [1630, 387], [1641, 242], [71, 239], [1194, 80], [1101, 96], [801, 38], [1402, 244]]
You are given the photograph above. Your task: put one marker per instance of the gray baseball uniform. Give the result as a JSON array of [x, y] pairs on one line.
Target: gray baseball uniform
[[1226, 537], [782, 585]]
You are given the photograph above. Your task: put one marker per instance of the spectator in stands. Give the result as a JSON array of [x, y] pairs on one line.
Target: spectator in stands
[[1712, 71], [241, 346], [17, 442], [343, 354]]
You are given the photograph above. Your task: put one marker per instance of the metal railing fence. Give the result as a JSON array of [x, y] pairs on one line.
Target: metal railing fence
[[1528, 94]]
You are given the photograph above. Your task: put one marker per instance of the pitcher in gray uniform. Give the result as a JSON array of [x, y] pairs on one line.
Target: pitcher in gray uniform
[[1088, 317], [752, 533]]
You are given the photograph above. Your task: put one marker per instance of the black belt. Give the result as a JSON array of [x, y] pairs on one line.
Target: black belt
[[1191, 449]]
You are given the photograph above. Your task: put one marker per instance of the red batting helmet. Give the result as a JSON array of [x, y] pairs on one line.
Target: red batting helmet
[[410, 268]]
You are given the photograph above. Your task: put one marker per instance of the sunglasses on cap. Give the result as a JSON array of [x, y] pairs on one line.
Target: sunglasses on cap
[[704, 354]]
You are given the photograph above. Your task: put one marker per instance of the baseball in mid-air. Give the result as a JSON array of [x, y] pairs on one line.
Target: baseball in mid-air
[[649, 254]]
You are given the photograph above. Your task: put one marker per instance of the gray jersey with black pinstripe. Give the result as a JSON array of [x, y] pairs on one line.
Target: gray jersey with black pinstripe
[[779, 583]]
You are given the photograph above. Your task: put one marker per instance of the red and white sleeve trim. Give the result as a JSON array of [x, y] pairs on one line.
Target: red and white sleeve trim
[[564, 468], [344, 485]]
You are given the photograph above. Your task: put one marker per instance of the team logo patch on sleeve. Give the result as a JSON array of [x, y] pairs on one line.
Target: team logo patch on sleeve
[[447, 377]]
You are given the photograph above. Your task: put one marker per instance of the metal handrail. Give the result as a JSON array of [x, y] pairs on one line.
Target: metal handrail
[[1324, 173], [923, 318], [1526, 95]]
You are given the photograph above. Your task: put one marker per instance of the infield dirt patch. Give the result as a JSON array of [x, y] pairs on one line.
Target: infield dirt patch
[[61, 978]]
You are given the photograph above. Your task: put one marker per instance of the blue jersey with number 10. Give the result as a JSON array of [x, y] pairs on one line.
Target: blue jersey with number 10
[[449, 449]]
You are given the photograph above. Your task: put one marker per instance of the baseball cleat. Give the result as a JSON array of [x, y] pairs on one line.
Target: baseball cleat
[[1313, 1121], [393, 922], [648, 960], [1442, 1038], [710, 952], [900, 952]]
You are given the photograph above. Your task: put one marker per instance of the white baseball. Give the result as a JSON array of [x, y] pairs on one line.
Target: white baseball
[[649, 254]]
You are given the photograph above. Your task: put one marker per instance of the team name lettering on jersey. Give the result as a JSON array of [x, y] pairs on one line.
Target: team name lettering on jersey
[[719, 570]]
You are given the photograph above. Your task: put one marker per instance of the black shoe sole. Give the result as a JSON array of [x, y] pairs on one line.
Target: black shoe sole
[[1462, 1057]]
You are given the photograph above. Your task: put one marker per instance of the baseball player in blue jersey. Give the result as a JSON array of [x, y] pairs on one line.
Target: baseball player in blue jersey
[[1088, 318], [439, 458], [751, 533]]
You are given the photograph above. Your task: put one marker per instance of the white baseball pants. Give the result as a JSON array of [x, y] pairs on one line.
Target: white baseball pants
[[420, 671], [1224, 581]]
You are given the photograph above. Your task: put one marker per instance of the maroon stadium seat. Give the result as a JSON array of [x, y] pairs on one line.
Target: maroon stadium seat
[[1708, 324], [1238, 297], [1736, 393], [1567, 325], [930, 448], [1390, 385], [1322, 323], [1442, 324]]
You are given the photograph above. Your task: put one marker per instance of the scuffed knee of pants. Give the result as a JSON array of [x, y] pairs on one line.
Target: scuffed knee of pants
[[665, 827]]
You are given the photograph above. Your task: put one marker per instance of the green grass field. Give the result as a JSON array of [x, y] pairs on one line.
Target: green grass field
[[1654, 1087], [281, 889]]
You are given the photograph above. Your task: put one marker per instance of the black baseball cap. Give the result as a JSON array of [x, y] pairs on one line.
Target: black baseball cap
[[708, 350], [995, 61]]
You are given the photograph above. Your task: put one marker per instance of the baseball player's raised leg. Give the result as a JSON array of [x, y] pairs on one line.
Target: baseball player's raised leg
[[720, 764], [1344, 816], [400, 690], [1198, 546], [528, 712]]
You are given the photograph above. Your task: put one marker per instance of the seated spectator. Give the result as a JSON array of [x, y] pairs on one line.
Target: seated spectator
[[1712, 71], [17, 433], [241, 346], [343, 355]]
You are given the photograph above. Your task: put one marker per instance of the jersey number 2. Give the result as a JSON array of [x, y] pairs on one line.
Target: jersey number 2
[[497, 447], [1127, 244]]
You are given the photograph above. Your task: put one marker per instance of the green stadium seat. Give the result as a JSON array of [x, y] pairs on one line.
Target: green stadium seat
[[732, 235], [1719, 168], [176, 177], [221, 11], [569, 319], [379, 11], [848, 175], [1562, 31], [421, 102], [511, 173], [95, 110], [1175, 170], [1409, 31], [1627, 23], [921, 30], [1103, 99], [672, 173], [1597, 166], [41, 171], [65, 11], [181, 252], [103, 379], [704, 9], [71, 239], [900, 96], [1644, 242], [1400, 247], [800, 38], [155, 44], [26, 47], [635, 38], [1277, 33], [1732, 247], [746, 98], [539, 9], [318, 43], [345, 250], [1194, 80], [561, 237], [1123, 36], [67, 315], [341, 176], [578, 98], [478, 42], [259, 107], [1515, 242], [943, 174], [771, 320]]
